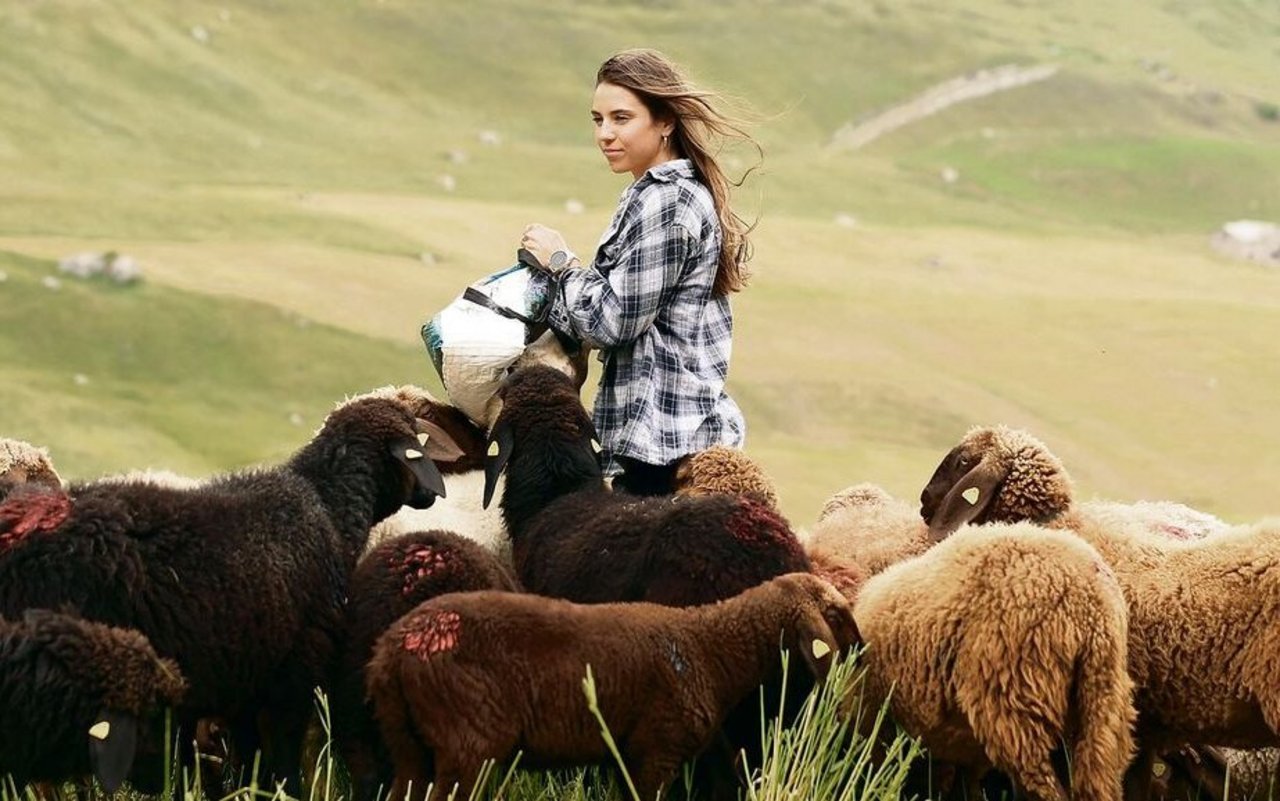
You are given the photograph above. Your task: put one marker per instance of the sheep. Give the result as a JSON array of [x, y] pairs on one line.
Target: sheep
[[572, 538], [388, 582], [24, 463], [242, 579], [1023, 480], [1199, 658], [80, 699], [996, 646], [463, 511], [863, 531], [474, 676], [725, 470], [865, 524]]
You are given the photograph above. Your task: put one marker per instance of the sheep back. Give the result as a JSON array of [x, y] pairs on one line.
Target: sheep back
[[865, 525], [998, 644], [389, 581], [597, 546], [721, 469]]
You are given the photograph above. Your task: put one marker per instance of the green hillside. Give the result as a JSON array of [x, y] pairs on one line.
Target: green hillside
[[270, 163]]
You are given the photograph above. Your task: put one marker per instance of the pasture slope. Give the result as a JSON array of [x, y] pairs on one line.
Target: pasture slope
[[302, 183]]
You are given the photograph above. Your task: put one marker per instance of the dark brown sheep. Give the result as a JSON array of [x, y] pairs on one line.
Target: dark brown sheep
[[82, 699], [391, 580], [476, 676]]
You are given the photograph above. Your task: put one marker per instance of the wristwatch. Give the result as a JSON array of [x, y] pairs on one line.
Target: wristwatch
[[560, 260]]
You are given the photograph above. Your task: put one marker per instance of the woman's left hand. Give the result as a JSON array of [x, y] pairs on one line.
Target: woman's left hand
[[542, 241]]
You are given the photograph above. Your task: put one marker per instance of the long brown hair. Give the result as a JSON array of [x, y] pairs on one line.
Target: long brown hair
[[700, 128]]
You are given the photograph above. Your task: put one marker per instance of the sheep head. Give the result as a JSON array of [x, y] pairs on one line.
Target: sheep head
[[132, 683], [399, 418], [823, 624], [538, 407], [995, 475]]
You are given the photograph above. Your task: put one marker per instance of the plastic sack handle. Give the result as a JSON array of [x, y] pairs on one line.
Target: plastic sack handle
[[476, 296]]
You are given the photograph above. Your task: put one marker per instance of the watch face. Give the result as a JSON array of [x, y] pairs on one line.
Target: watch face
[[558, 260]]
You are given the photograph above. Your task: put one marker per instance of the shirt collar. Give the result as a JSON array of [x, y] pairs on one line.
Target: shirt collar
[[669, 171]]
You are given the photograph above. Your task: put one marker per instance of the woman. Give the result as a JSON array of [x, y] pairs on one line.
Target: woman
[[655, 299]]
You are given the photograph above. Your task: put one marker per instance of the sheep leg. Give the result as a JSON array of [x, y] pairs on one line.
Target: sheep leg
[[1137, 779], [453, 780], [1026, 759]]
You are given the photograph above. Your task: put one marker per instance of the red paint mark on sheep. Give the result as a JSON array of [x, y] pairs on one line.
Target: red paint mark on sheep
[[432, 633], [31, 512], [419, 563], [757, 525]]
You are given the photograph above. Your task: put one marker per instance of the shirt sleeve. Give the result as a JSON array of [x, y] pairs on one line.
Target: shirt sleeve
[[608, 309]]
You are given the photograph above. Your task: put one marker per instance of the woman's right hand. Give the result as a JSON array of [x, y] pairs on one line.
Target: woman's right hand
[[542, 241]]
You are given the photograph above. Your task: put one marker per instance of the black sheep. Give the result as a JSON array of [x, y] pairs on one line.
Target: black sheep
[[79, 699], [573, 538], [389, 581], [242, 579]]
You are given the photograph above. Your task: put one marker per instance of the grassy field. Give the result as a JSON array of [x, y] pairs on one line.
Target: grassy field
[[278, 170]]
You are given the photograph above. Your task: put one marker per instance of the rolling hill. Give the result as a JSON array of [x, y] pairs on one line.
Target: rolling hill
[[303, 183]]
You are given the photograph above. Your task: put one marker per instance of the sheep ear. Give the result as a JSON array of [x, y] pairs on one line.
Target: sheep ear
[[412, 454], [968, 499], [113, 741], [817, 644], [501, 442], [437, 444]]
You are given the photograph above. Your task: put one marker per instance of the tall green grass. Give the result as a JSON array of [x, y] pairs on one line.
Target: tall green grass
[[833, 752]]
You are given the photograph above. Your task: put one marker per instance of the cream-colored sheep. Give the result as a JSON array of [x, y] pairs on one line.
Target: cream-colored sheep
[[1203, 608], [999, 645], [461, 512], [866, 525]]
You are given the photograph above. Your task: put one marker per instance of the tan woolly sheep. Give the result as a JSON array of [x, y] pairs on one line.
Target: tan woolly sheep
[[724, 470], [1203, 623], [999, 645], [865, 524]]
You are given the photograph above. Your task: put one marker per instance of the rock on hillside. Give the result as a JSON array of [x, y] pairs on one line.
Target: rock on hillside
[[1252, 240]]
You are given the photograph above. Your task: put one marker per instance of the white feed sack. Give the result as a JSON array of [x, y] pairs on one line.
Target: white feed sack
[[472, 346]]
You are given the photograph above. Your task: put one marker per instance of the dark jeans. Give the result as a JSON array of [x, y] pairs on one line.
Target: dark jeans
[[639, 478]]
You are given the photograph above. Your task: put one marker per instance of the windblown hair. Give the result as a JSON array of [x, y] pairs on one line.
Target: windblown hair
[[700, 128]]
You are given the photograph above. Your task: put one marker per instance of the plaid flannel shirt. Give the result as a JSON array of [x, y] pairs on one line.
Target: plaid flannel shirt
[[646, 303]]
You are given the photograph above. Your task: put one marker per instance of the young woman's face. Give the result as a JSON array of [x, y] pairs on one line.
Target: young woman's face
[[628, 135]]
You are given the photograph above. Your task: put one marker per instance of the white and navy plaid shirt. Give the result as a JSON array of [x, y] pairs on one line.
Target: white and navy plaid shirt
[[646, 303]]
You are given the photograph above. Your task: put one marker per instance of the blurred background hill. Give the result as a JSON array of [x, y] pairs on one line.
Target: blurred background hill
[[303, 184]]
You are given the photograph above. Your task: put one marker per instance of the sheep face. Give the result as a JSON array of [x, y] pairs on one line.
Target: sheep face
[[995, 475], [413, 443], [538, 411], [823, 623]]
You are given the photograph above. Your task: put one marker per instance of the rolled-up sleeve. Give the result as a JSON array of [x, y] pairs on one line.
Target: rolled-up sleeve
[[613, 302]]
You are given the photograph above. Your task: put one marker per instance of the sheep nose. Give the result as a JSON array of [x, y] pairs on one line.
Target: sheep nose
[[928, 505]]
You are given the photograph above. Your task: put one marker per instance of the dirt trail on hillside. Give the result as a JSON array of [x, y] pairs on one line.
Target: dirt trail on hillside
[[937, 98]]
